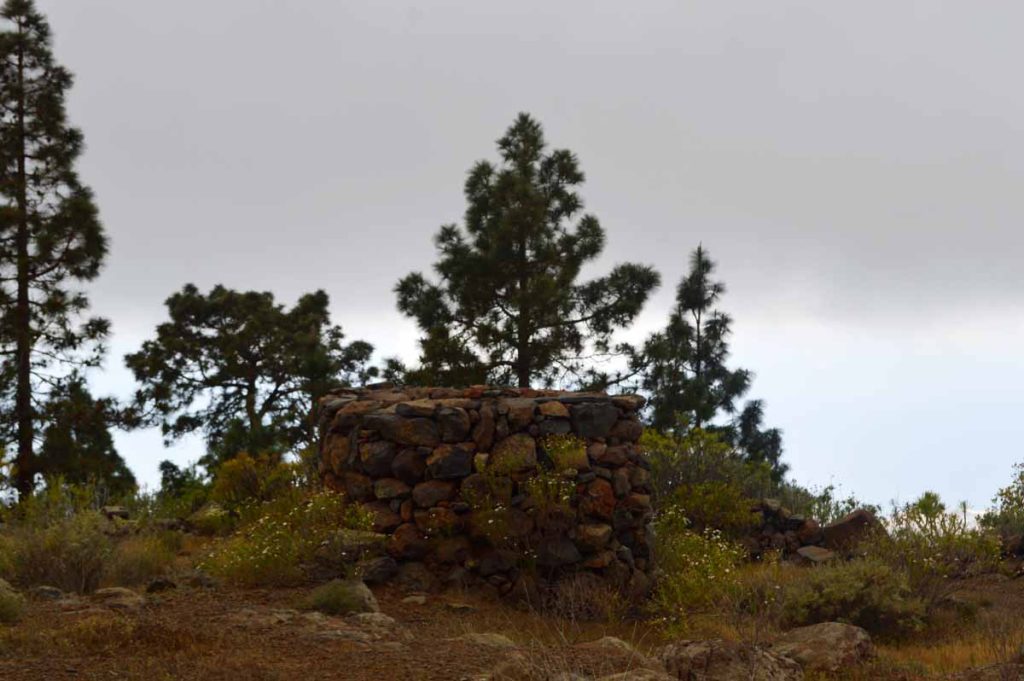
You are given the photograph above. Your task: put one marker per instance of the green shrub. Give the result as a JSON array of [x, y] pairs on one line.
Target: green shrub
[[698, 570], [934, 548], [69, 553], [137, 560], [864, 592], [12, 604], [1007, 515], [715, 505], [273, 548], [244, 479]]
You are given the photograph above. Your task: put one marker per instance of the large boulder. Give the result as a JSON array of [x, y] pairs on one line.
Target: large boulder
[[720, 660], [845, 533], [827, 647]]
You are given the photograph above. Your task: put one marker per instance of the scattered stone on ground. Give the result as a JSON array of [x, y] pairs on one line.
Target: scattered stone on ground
[[720, 660], [814, 555], [827, 647], [488, 640], [48, 593], [161, 584], [118, 598]]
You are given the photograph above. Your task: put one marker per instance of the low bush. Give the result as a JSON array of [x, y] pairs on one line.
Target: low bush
[[1006, 517], [934, 548], [716, 505], [865, 592], [69, 553], [137, 560], [273, 548], [697, 570], [12, 604], [243, 480]]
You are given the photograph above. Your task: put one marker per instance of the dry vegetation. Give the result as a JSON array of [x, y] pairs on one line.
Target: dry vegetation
[[932, 591]]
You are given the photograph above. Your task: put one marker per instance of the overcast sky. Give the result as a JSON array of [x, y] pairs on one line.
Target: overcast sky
[[855, 169]]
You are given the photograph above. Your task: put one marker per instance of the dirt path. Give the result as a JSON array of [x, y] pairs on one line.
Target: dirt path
[[261, 635]]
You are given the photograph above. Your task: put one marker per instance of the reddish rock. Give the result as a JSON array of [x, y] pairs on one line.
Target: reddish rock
[[555, 410], [335, 453], [629, 402], [483, 432], [348, 416], [376, 458], [409, 465], [406, 510], [407, 543], [454, 424], [598, 500], [616, 455], [627, 430], [449, 462], [390, 488], [405, 431], [384, 519], [358, 487], [520, 412], [810, 532], [826, 648], [416, 408], [593, 536], [428, 494], [847, 532]]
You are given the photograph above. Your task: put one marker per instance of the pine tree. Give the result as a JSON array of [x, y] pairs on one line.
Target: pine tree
[[241, 369], [509, 308], [685, 373], [77, 444], [50, 235]]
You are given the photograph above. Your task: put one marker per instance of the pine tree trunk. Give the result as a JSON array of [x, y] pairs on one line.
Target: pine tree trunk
[[22, 314]]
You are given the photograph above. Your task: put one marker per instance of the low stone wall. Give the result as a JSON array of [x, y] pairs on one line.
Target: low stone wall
[[491, 485]]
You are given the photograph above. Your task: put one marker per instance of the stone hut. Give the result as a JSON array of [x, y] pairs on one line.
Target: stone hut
[[493, 485]]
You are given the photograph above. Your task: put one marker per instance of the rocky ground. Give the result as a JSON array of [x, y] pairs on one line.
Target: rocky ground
[[198, 632]]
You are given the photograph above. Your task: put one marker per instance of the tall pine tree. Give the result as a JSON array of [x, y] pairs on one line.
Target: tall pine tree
[[686, 372], [50, 235], [508, 307], [77, 444], [686, 375]]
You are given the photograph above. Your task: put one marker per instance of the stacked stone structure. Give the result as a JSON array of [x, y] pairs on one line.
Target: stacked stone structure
[[494, 484]]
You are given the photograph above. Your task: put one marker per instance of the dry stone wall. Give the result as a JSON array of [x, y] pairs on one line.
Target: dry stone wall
[[496, 486]]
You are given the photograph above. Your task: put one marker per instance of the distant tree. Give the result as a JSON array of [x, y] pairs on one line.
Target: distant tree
[[50, 235], [242, 370], [757, 443], [508, 307], [685, 373], [77, 444]]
